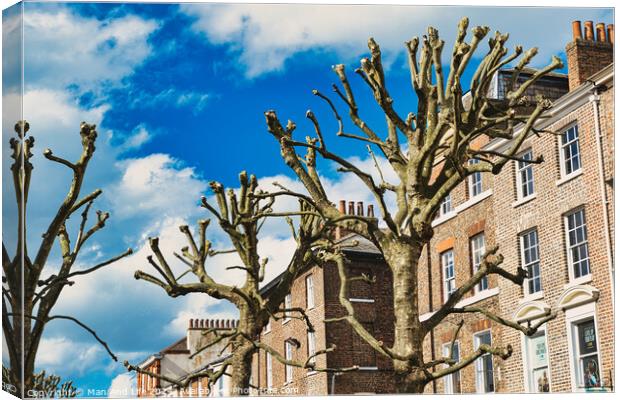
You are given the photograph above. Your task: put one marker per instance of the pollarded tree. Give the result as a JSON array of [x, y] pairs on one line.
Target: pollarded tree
[[241, 215], [28, 294], [430, 152]]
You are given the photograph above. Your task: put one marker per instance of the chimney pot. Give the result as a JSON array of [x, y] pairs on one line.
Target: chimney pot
[[371, 211], [342, 206], [360, 208], [600, 32], [589, 30], [577, 30], [351, 208], [191, 323], [610, 33]]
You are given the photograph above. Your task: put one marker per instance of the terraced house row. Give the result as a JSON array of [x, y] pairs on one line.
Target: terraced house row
[[554, 219]]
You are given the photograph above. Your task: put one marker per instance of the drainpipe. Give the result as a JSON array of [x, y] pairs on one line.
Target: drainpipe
[[595, 100], [430, 304], [333, 388]]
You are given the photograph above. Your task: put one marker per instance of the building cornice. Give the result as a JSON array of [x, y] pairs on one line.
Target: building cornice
[[562, 106]]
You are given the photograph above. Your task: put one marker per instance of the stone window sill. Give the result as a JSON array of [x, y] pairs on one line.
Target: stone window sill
[[473, 201], [443, 218], [569, 177], [524, 200], [534, 296], [579, 281]]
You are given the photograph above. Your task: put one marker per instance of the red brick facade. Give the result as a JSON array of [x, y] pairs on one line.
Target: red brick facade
[[572, 349]]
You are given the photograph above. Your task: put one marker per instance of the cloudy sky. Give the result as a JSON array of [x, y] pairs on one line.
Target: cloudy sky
[[178, 94]]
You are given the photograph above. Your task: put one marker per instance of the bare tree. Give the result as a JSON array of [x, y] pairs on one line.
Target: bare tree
[[28, 297], [241, 215], [46, 386], [430, 152]]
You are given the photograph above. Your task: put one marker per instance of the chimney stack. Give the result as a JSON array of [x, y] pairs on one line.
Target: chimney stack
[[352, 208], [587, 54]]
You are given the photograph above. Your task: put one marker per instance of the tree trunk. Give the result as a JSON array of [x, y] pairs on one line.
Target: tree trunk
[[243, 351], [241, 370], [403, 258]]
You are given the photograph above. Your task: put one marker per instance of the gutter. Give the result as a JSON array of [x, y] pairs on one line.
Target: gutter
[[595, 100], [561, 107]]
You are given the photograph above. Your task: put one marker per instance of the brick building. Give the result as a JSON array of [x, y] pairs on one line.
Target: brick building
[[555, 219], [316, 290], [187, 356]]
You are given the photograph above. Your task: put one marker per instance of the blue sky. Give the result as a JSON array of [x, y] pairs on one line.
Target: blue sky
[[178, 93]]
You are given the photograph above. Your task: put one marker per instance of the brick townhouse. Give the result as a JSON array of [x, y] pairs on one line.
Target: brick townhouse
[[186, 356], [555, 219]]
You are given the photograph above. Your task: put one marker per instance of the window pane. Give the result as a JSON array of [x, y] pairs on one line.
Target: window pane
[[452, 382], [447, 263], [570, 150], [591, 374], [309, 292], [587, 337], [477, 253], [446, 205], [531, 261], [525, 175], [577, 243], [475, 180]]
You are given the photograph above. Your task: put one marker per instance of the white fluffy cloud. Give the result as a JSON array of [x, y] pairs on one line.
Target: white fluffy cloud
[[123, 386], [156, 185], [86, 52], [265, 36], [61, 356], [139, 136]]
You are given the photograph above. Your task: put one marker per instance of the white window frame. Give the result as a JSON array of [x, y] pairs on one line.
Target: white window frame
[[569, 254], [220, 386], [522, 167], [288, 303], [309, 292], [478, 363], [449, 282], [269, 362], [474, 181], [311, 340], [563, 171], [532, 385], [446, 205], [448, 380], [575, 316], [288, 369], [525, 265], [478, 252]]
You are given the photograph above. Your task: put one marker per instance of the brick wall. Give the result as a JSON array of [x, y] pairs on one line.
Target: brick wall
[[553, 199], [374, 377], [587, 54]]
